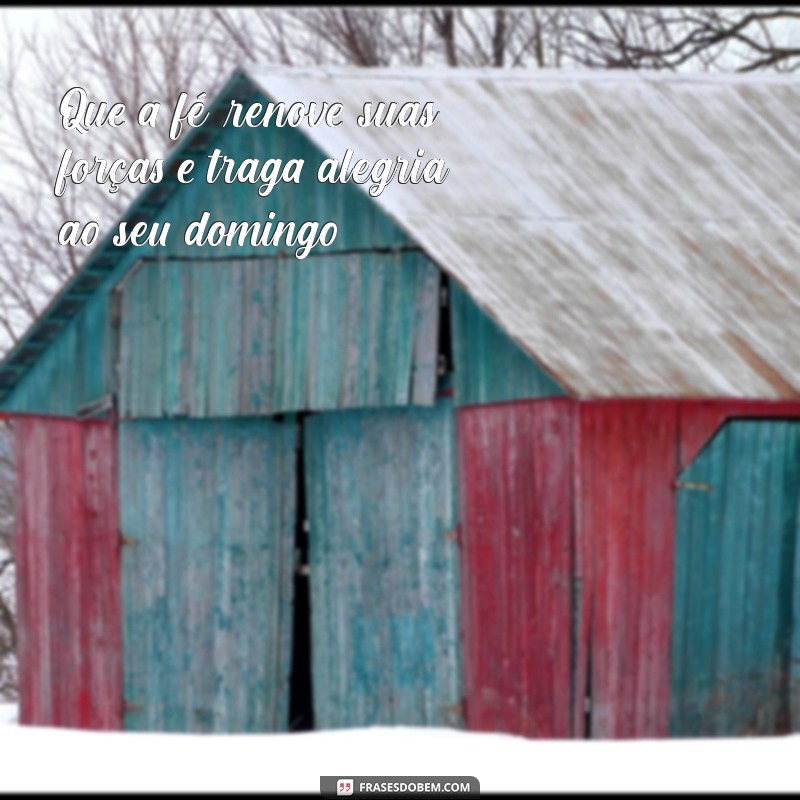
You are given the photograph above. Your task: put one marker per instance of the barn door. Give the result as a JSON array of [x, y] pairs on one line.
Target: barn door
[[517, 523], [383, 567], [67, 572], [736, 584], [207, 512]]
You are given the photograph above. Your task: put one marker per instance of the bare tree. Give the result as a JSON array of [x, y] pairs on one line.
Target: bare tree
[[408, 36], [732, 39], [125, 55]]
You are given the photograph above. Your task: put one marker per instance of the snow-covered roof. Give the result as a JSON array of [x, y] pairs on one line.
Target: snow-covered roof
[[636, 233]]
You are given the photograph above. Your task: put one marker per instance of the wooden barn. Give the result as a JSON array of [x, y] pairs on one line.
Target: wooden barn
[[520, 451]]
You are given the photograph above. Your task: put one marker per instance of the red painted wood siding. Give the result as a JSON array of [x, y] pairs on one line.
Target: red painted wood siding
[[701, 419], [68, 573], [595, 479], [515, 487], [627, 462], [628, 456]]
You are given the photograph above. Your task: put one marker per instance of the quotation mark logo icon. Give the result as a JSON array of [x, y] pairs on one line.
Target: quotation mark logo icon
[[344, 787]]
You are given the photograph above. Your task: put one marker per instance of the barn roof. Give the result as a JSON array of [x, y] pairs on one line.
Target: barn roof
[[636, 233]]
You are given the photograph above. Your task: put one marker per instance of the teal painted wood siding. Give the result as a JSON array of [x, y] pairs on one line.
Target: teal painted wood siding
[[76, 367], [384, 567], [207, 581], [265, 336], [489, 366], [735, 583], [794, 669]]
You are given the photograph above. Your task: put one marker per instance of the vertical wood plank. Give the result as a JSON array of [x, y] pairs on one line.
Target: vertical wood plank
[[68, 573], [736, 548], [335, 332], [384, 567], [515, 464], [627, 453], [207, 594]]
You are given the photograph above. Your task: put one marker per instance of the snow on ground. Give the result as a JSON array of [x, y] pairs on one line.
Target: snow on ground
[[47, 759], [8, 714]]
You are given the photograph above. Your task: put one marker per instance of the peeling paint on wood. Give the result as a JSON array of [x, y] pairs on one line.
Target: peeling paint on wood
[[381, 490], [488, 366], [627, 462], [65, 360], [68, 573], [515, 465], [735, 584], [207, 593], [266, 336]]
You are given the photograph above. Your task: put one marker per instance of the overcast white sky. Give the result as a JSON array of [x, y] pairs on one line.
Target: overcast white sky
[[22, 18]]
